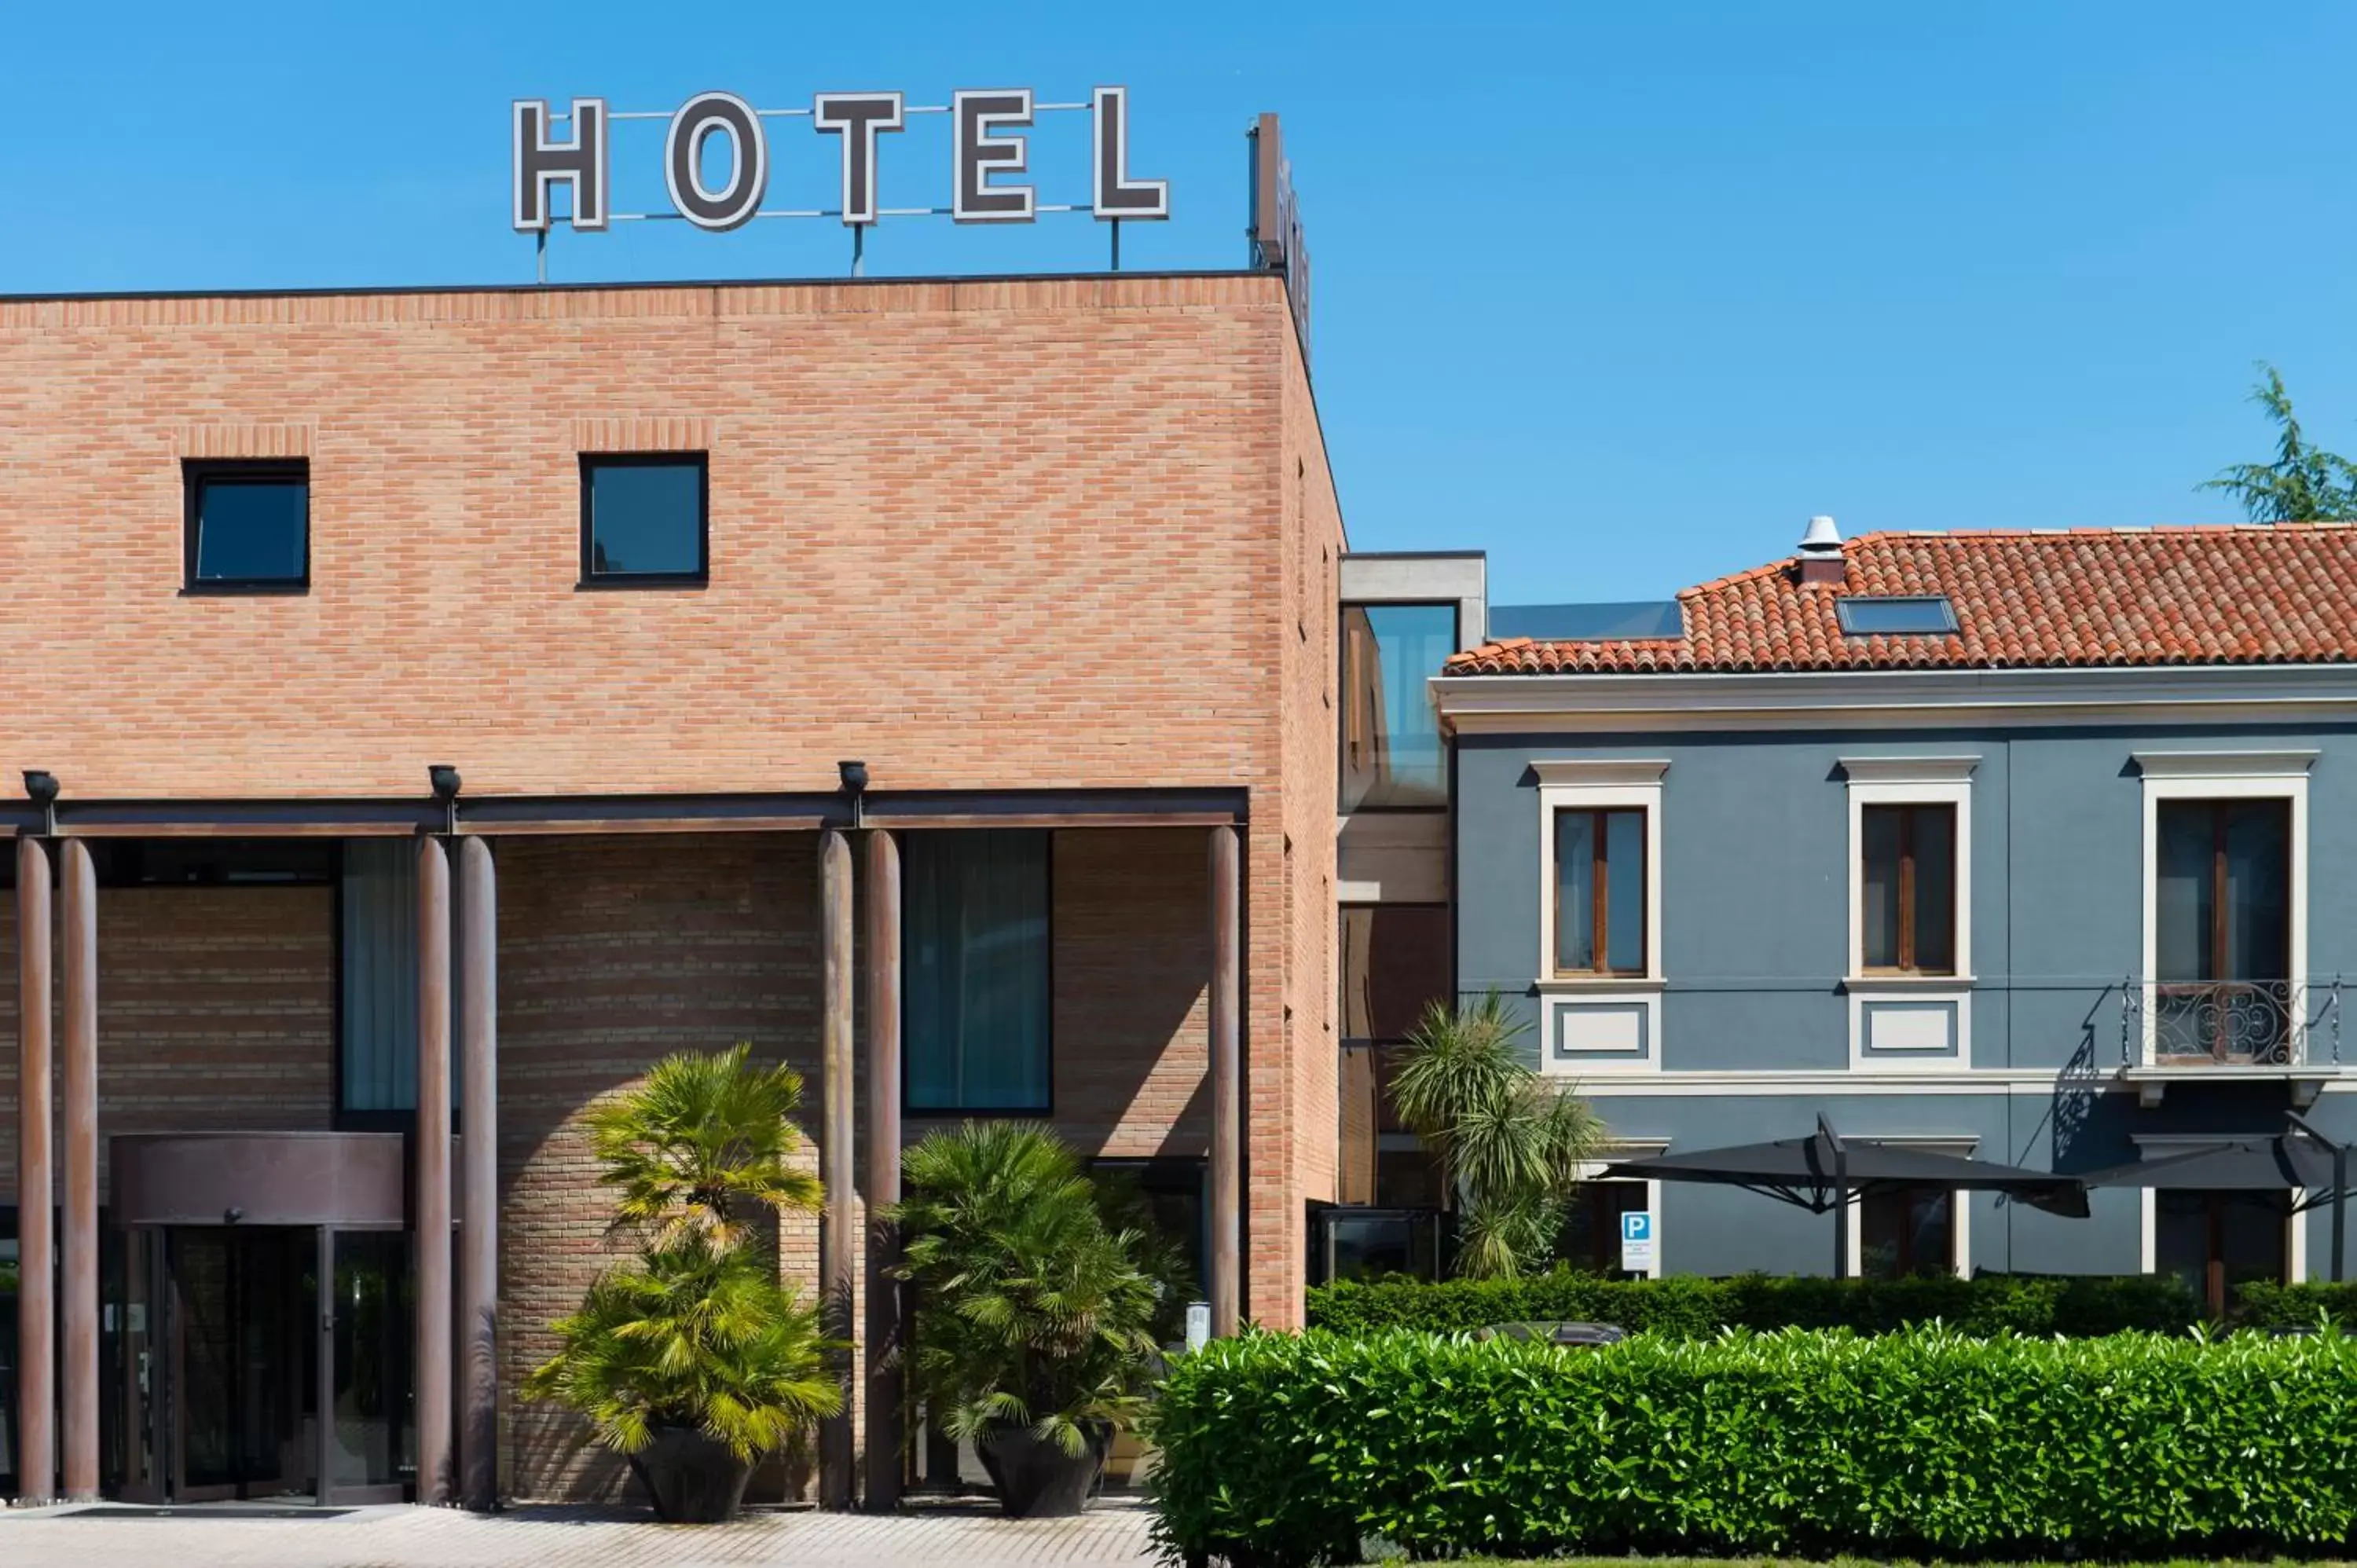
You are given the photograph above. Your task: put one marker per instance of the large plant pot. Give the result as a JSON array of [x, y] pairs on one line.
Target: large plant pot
[[1036, 1479], [690, 1479]]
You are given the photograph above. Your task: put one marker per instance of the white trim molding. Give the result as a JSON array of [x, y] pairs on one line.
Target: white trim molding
[[1620, 1014], [1964, 1146], [1886, 700], [1911, 1002], [2224, 776]]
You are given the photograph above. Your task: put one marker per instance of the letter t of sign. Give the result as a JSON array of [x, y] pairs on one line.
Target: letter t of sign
[[580, 164], [857, 118]]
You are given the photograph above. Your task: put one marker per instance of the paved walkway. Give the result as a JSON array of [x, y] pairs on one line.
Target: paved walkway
[[968, 1535]]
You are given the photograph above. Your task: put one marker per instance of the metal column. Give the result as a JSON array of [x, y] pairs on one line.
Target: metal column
[[78, 1368], [37, 1344], [1227, 1134], [884, 1426], [433, 1155], [479, 1228], [837, 1243]]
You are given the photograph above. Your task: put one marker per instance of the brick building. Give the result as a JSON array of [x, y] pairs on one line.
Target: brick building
[[1056, 558]]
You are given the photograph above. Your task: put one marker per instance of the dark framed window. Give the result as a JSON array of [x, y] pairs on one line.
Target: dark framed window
[[1907, 889], [1600, 890], [976, 986], [2221, 929], [246, 527], [2215, 1241], [1907, 1230], [2222, 890], [1392, 755], [645, 520]]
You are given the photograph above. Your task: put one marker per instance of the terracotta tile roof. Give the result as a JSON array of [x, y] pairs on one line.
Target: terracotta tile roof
[[2284, 594]]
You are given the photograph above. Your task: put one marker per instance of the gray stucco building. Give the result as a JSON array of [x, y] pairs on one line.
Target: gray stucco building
[[2039, 847]]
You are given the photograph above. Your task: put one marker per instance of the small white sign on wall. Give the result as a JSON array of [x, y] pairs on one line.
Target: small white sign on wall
[[1637, 1243]]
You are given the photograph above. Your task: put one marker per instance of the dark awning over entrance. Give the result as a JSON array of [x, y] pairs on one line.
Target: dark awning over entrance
[[1824, 1173]]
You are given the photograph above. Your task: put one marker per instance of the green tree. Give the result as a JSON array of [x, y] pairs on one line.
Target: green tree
[[704, 1145], [695, 1331], [1512, 1142], [1036, 1312], [2304, 484]]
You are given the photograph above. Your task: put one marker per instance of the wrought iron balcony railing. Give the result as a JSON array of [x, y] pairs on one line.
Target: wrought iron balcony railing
[[2239, 1022]]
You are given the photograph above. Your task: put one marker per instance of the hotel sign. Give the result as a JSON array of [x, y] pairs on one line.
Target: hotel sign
[[989, 152]]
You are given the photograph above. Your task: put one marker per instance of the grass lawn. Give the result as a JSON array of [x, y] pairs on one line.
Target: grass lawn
[[1867, 1563]]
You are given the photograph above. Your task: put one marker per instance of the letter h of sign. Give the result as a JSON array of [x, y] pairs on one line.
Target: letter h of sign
[[579, 163]]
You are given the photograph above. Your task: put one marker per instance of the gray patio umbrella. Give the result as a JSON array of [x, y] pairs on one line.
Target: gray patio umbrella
[[2300, 1156], [1823, 1174]]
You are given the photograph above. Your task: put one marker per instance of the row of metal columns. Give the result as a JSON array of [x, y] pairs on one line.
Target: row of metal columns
[[474, 1479]]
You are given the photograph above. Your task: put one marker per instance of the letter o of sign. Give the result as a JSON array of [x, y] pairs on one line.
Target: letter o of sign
[[709, 115]]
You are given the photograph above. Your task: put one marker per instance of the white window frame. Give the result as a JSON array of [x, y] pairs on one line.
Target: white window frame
[[1963, 1146], [1599, 784], [2224, 776], [1909, 781]]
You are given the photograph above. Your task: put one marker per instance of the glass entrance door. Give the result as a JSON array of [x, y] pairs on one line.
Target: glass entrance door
[[243, 1361], [266, 1362], [372, 1451]]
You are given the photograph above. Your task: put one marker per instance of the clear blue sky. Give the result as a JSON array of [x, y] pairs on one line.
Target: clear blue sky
[[1620, 293]]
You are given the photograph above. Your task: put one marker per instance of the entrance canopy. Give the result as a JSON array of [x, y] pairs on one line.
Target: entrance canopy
[[1824, 1174]]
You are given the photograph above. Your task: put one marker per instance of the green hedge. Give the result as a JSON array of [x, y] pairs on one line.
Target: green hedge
[[2078, 1306], [1278, 1450], [2266, 1305]]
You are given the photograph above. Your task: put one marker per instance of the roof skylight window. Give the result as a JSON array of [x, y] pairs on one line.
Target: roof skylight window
[[1926, 614]]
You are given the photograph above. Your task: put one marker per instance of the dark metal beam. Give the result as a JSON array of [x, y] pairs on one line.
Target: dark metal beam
[[36, 1344], [785, 812], [884, 1427]]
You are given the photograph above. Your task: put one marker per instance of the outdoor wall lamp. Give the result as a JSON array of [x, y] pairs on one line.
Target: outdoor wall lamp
[[41, 789], [854, 784], [445, 779]]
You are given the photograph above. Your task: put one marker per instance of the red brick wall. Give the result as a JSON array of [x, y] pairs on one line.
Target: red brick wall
[[216, 1011], [1070, 534], [982, 534]]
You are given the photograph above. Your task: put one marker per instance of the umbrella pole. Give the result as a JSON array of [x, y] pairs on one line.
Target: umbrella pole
[[2339, 1205], [1841, 1197]]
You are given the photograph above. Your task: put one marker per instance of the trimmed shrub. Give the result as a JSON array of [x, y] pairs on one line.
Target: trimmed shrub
[[1278, 1450], [2265, 1305], [1688, 1307]]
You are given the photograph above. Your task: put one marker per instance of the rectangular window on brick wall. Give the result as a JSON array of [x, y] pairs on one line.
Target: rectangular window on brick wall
[[246, 527], [976, 992], [644, 520]]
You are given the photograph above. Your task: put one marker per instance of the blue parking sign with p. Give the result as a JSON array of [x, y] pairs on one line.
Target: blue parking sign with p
[[1637, 1240]]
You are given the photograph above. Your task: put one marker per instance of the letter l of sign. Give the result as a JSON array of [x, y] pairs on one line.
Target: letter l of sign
[[1117, 195]]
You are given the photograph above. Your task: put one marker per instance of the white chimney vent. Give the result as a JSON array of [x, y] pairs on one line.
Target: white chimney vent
[[1822, 565]]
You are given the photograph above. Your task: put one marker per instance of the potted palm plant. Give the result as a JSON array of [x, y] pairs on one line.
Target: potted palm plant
[[691, 1359], [1034, 1335]]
